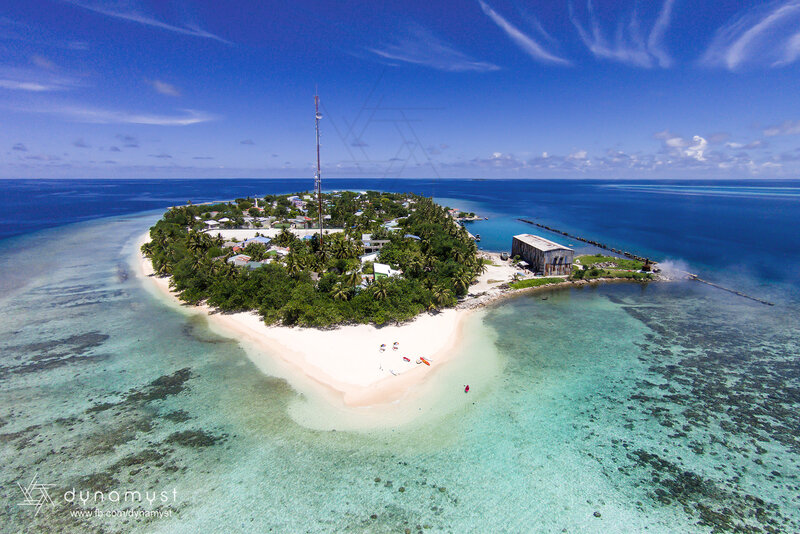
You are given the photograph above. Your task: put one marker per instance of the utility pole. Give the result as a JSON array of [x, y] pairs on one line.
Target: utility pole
[[318, 176]]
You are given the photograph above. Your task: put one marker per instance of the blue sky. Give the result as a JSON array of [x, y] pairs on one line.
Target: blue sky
[[484, 88]]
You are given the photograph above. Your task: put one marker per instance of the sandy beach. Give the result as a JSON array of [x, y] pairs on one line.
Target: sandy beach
[[347, 360]]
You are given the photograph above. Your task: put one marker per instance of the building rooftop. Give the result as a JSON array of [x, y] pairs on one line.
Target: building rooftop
[[540, 243]]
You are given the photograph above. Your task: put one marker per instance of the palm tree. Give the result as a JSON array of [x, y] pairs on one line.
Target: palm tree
[[341, 249], [293, 265], [413, 265], [462, 280], [440, 295], [322, 256], [163, 269], [195, 242], [340, 292], [148, 248], [380, 289], [352, 278]]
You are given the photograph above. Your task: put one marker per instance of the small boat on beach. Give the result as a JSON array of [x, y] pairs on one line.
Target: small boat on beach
[[406, 359], [426, 362]]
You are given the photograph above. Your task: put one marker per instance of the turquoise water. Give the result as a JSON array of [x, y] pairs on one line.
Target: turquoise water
[[620, 408]]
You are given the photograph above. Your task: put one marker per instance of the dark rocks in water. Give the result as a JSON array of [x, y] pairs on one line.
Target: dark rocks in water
[[194, 438], [108, 439], [374, 516], [22, 438], [101, 481], [377, 479], [402, 489], [178, 416], [44, 355], [159, 389], [163, 386], [100, 407], [143, 457]]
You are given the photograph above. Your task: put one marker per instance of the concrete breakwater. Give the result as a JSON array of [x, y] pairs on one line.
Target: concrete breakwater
[[632, 256], [627, 254], [729, 290]]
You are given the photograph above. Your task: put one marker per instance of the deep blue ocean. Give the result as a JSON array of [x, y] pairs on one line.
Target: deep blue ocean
[[661, 407], [721, 225]]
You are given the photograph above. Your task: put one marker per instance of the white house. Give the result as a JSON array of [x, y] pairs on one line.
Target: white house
[[384, 271]]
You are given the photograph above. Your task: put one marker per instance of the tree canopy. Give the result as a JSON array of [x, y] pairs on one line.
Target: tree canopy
[[320, 282]]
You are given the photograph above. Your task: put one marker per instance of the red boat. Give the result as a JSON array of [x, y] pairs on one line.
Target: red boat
[[406, 359], [426, 362]]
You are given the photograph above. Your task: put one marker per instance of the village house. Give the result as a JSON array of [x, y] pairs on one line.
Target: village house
[[240, 260], [258, 239], [372, 245]]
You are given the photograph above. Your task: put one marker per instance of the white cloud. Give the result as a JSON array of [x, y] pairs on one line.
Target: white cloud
[[34, 80], [16, 85], [498, 160], [791, 51], [106, 116], [677, 146], [527, 44], [43, 62], [655, 43], [164, 88], [697, 150], [676, 142], [420, 47], [128, 10], [784, 128], [628, 46], [758, 143], [577, 154], [763, 36]]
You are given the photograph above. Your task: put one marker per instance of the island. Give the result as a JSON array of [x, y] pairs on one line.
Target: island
[[365, 307]]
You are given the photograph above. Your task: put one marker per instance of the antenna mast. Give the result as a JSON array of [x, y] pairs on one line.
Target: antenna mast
[[318, 175]]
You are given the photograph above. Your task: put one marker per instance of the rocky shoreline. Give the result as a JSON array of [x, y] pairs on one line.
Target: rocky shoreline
[[504, 291]]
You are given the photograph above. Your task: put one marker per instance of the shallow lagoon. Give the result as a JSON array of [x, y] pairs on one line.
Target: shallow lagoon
[[660, 408]]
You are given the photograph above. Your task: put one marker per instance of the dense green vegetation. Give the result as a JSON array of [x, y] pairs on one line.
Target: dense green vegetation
[[599, 266], [318, 283], [534, 282], [621, 263]]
